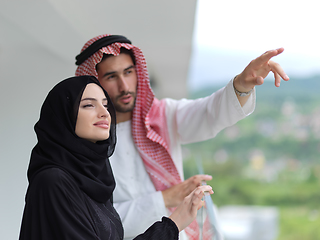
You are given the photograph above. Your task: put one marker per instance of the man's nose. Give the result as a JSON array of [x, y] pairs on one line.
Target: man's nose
[[123, 85]]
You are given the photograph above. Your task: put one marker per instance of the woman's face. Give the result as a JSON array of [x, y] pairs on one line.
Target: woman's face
[[94, 120]]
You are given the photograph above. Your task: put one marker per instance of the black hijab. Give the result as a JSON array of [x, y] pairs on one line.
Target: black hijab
[[59, 147]]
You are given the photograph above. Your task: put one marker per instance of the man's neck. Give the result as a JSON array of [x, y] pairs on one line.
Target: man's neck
[[123, 117]]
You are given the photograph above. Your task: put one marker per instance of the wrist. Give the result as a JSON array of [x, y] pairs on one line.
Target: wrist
[[242, 94], [239, 90], [166, 198]]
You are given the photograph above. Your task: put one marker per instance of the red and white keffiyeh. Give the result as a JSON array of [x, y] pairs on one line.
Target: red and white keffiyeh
[[149, 126]]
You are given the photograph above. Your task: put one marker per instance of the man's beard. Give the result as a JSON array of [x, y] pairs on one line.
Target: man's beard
[[123, 108]]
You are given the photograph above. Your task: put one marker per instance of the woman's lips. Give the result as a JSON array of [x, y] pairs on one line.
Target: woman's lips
[[102, 124]]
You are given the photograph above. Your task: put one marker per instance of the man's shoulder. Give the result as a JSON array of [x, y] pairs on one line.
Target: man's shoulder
[[166, 103]]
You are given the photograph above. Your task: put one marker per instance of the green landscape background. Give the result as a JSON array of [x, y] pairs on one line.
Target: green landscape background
[[271, 158]]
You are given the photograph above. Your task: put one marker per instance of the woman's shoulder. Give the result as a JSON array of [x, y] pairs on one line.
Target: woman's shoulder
[[54, 179], [52, 175]]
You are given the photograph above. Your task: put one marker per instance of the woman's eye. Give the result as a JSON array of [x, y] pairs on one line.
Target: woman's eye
[[87, 105]]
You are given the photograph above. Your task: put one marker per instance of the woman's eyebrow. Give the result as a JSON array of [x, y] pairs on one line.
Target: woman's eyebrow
[[93, 99]]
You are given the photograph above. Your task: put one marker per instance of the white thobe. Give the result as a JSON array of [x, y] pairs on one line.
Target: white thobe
[[135, 198]]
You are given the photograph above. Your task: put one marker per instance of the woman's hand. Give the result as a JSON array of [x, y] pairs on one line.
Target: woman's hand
[[174, 195], [186, 211]]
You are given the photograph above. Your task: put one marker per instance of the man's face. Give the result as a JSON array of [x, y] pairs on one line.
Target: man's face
[[117, 75]]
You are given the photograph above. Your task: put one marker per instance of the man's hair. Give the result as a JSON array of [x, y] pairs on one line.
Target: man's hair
[[122, 50]]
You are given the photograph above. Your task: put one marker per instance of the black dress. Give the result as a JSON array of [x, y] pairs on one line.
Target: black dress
[[70, 179]]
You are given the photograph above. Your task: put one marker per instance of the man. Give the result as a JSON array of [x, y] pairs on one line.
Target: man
[[147, 162]]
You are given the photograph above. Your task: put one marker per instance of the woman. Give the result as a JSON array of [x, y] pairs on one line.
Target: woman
[[70, 181]]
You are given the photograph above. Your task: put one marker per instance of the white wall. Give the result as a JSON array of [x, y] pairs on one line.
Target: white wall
[[38, 43], [28, 71]]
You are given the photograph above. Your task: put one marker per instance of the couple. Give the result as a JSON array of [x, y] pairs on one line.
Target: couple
[[159, 127]]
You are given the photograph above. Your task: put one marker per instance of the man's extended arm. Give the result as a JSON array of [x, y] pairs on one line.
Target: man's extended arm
[[201, 119]]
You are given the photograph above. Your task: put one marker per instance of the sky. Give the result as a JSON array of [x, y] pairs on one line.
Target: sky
[[229, 34]]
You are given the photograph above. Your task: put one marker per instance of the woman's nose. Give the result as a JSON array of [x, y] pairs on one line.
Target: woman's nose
[[103, 112]]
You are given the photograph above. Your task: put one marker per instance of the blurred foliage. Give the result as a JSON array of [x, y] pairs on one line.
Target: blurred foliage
[[271, 158]]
